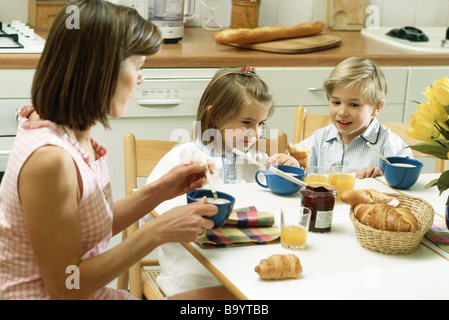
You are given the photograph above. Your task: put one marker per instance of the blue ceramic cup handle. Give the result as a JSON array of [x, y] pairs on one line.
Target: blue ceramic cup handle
[[257, 180]]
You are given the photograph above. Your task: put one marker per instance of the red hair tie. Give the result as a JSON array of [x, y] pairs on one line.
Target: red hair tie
[[248, 70]]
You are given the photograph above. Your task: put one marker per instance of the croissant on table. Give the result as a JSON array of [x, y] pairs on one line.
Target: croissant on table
[[279, 266], [385, 217]]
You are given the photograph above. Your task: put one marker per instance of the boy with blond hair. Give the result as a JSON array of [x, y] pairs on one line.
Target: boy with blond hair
[[356, 90]]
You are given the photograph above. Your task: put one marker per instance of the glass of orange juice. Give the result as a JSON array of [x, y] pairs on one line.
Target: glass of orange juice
[[342, 178], [317, 174], [294, 227]]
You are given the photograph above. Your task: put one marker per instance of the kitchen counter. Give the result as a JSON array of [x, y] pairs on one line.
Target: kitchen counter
[[199, 50]]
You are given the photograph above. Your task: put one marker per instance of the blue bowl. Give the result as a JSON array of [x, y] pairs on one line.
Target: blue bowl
[[401, 177], [224, 209], [279, 185]]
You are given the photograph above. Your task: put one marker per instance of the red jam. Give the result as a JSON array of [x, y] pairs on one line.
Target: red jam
[[321, 204]]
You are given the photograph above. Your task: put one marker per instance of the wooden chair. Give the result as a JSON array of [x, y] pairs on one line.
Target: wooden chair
[[141, 156], [306, 124], [269, 145]]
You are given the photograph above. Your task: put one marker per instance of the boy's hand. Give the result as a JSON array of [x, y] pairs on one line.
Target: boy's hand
[[369, 172], [282, 158]]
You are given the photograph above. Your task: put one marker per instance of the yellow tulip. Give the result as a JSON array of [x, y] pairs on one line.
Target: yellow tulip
[[437, 109], [425, 112], [422, 129], [440, 90], [428, 93], [412, 133]]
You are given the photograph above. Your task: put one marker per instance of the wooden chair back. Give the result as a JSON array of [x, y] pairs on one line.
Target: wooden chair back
[[141, 156], [269, 145]]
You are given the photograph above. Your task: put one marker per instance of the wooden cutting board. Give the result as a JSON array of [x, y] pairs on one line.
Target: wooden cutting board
[[346, 14], [294, 45]]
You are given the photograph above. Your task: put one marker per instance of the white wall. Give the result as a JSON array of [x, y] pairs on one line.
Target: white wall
[[13, 10], [420, 13]]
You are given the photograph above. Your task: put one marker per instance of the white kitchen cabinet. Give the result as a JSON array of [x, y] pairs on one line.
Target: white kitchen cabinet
[[419, 79], [16, 83]]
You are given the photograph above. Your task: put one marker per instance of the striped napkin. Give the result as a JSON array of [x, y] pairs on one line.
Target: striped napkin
[[439, 235], [245, 226]]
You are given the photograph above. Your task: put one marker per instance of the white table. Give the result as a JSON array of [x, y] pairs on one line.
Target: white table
[[335, 266]]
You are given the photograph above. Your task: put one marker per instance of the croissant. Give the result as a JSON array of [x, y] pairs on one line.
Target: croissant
[[300, 153], [385, 217], [354, 197], [278, 267]]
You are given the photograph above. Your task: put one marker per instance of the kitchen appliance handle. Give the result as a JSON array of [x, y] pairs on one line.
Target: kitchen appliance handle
[[5, 152], [315, 89], [158, 102]]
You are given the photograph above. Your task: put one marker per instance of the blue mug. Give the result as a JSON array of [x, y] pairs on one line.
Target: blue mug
[[400, 177], [280, 185]]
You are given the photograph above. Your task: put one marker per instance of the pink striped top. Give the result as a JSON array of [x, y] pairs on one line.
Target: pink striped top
[[19, 273]]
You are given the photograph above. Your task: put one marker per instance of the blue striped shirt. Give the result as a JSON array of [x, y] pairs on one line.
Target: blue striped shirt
[[328, 149]]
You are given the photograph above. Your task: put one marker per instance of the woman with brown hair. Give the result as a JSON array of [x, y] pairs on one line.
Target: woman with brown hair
[[56, 210]]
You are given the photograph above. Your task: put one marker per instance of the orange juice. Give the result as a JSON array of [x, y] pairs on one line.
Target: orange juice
[[343, 182], [293, 236], [315, 177]]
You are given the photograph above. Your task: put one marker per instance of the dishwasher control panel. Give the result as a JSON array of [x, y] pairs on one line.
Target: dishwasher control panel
[[165, 94]]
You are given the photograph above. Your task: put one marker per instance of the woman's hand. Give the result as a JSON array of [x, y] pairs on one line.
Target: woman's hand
[[370, 172], [185, 223], [183, 178], [282, 159]]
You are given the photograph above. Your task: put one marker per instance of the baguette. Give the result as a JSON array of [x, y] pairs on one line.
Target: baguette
[[263, 34], [384, 217], [354, 197]]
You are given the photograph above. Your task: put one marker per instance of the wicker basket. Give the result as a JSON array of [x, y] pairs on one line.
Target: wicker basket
[[396, 243]]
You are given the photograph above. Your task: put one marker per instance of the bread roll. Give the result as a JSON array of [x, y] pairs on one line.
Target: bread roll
[[384, 217], [300, 153], [262, 34], [279, 266], [354, 197]]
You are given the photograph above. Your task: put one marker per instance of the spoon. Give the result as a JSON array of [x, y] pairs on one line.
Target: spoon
[[279, 172], [378, 153], [209, 179]]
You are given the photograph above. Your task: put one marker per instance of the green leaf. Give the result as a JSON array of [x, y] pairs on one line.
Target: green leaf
[[433, 149], [442, 142], [431, 184], [442, 130], [443, 182]]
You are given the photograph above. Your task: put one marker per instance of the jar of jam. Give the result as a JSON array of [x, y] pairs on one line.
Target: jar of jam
[[321, 204]]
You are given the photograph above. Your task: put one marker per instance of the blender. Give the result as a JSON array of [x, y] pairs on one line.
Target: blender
[[168, 16]]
